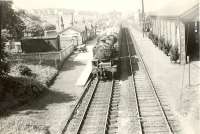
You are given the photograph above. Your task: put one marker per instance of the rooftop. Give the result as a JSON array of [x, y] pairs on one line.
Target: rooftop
[[176, 9], [78, 28]]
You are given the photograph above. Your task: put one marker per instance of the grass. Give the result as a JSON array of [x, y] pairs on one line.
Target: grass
[[16, 89]]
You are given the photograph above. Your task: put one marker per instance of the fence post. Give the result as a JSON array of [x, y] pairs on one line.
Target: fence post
[[60, 55], [55, 62], [18, 59], [40, 59], [188, 60]]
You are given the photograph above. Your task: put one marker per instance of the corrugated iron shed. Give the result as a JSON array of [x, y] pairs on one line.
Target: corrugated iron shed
[[185, 9]]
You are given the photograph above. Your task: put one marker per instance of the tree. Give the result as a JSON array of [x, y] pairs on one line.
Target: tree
[[35, 29], [11, 21], [34, 17], [49, 26], [4, 68], [3, 63], [13, 25]]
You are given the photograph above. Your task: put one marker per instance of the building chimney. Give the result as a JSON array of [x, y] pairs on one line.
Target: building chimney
[[62, 24]]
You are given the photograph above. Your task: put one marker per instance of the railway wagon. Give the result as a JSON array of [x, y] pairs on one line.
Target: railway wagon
[[105, 57]]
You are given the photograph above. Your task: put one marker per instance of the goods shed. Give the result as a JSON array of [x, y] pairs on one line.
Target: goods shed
[[178, 23]]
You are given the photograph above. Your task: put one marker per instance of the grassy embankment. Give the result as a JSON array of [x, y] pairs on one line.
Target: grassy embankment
[[17, 89]]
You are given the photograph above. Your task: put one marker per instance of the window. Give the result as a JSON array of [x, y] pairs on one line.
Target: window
[[196, 27]]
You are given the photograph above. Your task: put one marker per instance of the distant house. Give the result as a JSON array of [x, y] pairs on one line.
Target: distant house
[[91, 31], [50, 33], [78, 34], [13, 47], [40, 44]]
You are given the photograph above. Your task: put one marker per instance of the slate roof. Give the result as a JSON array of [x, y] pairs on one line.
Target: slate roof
[[78, 28], [176, 8]]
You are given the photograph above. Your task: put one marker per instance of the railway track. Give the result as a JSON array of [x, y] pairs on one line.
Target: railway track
[[153, 115], [97, 112]]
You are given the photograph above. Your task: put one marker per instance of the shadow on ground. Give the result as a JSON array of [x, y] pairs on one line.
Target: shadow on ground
[[125, 68], [40, 102], [70, 65], [49, 97]]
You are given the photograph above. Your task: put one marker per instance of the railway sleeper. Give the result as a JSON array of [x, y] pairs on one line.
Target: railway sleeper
[[158, 124], [94, 127], [99, 103], [115, 101], [112, 131], [103, 100], [114, 112], [154, 131], [101, 108], [149, 109], [148, 102], [89, 130], [150, 105], [113, 121], [114, 109], [98, 113], [145, 92], [150, 97], [147, 114], [114, 115], [113, 118], [116, 95]]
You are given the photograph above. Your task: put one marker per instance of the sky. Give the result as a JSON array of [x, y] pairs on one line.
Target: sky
[[93, 5]]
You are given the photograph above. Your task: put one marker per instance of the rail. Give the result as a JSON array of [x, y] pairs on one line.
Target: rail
[[77, 104], [151, 83], [109, 108], [155, 94], [87, 107], [136, 95]]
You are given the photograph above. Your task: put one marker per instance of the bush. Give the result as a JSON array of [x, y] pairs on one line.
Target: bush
[[155, 40], [4, 66], [151, 35], [167, 47], [174, 55], [25, 70], [161, 43]]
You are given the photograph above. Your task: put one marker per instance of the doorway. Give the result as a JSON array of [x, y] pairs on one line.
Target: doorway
[[192, 40]]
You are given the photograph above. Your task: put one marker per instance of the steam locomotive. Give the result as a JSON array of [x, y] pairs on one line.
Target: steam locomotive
[[105, 56]]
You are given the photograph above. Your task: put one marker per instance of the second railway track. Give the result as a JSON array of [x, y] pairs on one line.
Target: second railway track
[[153, 117], [97, 113], [97, 110]]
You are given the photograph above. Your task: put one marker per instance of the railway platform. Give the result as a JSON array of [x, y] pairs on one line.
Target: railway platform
[[50, 112], [173, 81]]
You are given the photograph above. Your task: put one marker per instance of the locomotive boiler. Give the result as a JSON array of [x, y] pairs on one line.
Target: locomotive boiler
[[105, 56]]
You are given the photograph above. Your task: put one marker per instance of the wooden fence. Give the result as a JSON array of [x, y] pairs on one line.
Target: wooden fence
[[54, 59]]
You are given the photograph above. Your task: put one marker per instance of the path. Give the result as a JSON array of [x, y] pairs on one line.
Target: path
[[49, 113]]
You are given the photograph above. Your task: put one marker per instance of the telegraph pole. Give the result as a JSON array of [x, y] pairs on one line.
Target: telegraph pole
[[0, 18], [143, 19]]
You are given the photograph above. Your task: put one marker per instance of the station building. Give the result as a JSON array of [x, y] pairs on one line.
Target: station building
[[178, 23]]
